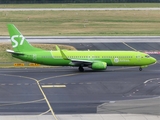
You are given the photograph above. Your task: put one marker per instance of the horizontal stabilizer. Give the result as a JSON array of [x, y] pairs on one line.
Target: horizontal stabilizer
[[12, 52]]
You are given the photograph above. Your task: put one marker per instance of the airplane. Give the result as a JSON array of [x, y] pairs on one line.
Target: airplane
[[96, 60]]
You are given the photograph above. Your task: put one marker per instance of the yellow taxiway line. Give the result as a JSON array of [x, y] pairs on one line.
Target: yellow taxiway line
[[45, 97], [44, 86]]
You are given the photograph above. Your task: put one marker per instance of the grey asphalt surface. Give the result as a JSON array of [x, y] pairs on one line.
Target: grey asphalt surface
[[73, 9], [88, 39], [84, 92]]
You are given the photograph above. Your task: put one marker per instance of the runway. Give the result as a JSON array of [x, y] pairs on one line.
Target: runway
[[71, 92], [73, 9], [88, 39]]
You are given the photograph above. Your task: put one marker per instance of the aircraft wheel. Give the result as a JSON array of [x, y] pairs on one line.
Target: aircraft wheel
[[81, 69], [140, 69]]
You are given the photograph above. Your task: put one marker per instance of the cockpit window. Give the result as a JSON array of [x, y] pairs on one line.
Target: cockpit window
[[147, 56]]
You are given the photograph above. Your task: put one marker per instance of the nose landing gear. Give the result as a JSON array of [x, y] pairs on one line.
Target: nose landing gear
[[140, 69]]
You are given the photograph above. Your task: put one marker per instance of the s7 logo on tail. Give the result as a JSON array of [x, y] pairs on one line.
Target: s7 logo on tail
[[15, 41]]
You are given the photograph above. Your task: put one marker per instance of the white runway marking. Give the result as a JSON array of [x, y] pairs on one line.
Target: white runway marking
[[38, 83], [53, 86]]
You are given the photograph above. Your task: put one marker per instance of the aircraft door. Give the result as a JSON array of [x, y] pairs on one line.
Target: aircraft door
[[138, 57], [34, 57]]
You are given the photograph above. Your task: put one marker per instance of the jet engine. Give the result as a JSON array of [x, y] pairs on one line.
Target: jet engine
[[99, 66]]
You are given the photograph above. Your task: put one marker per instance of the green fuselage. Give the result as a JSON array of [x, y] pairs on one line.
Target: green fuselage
[[112, 58]]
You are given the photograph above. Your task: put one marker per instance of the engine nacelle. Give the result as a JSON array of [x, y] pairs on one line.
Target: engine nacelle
[[99, 66]]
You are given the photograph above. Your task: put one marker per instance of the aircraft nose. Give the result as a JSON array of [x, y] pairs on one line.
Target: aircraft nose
[[153, 60]]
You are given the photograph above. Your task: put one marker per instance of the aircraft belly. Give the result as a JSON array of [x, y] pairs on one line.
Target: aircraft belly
[[55, 62]]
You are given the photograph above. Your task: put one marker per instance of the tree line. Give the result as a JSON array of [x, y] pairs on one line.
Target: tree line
[[76, 1]]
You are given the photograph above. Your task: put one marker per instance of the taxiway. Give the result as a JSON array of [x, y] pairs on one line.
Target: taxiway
[[69, 91]]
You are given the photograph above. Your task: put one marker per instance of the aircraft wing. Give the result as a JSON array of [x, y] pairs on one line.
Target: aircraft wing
[[81, 62], [75, 61]]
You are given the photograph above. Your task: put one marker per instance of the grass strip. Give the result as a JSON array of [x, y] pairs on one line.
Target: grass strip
[[82, 23]]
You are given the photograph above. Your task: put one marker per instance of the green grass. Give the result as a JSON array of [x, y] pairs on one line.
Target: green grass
[[82, 23], [7, 60], [83, 5]]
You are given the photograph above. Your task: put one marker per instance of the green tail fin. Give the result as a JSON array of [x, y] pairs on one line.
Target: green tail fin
[[19, 43]]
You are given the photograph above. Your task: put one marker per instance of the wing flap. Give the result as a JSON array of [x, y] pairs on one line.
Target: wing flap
[[81, 62]]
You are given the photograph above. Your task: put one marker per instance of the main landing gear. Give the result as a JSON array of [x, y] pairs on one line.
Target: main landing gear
[[140, 69], [81, 69]]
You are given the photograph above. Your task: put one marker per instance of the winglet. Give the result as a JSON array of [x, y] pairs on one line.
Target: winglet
[[62, 53], [58, 49]]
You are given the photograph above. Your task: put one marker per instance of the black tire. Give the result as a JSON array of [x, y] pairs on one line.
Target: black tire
[[140, 69], [81, 69]]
